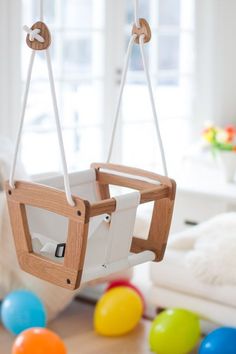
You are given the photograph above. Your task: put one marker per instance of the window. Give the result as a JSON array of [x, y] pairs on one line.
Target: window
[[171, 61], [87, 77], [77, 28]]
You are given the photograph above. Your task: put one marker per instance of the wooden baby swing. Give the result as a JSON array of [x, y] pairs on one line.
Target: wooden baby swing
[[99, 228]]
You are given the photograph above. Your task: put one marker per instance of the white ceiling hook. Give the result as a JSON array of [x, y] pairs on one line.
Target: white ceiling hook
[[33, 34]]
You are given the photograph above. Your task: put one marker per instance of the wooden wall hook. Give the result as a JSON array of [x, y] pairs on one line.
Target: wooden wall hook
[[143, 30], [44, 32]]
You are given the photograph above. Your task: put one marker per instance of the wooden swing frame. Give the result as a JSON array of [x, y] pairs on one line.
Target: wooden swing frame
[[68, 274]]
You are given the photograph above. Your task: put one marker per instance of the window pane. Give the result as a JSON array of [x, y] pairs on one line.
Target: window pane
[[79, 54], [83, 13], [169, 12], [175, 134], [175, 101], [31, 11], [168, 49], [171, 101], [78, 66], [134, 153], [77, 13], [81, 104]]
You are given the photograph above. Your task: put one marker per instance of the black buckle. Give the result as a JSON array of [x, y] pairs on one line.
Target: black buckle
[[60, 250]]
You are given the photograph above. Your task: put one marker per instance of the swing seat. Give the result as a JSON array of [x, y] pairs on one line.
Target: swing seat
[[69, 245]]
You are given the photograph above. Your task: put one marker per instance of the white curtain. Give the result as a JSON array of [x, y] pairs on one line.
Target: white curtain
[[10, 73]]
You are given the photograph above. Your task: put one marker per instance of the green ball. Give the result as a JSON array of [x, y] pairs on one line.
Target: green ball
[[174, 331]]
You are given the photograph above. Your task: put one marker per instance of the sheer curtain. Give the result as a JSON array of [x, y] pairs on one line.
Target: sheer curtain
[[10, 73]]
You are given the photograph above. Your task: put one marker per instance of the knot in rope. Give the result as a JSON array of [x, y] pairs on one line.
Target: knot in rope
[[33, 34]]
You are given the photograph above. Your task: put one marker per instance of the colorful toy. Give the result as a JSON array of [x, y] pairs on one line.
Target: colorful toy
[[21, 310], [38, 341], [174, 331], [220, 341], [118, 312], [125, 282]]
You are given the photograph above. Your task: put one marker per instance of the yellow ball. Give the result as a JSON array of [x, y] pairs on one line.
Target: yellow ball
[[118, 312]]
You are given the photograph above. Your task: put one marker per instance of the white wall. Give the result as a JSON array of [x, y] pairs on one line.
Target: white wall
[[9, 65], [216, 61]]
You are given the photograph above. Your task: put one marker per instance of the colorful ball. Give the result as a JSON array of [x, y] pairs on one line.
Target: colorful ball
[[174, 331], [21, 310], [124, 282], [38, 341], [118, 312], [220, 341]]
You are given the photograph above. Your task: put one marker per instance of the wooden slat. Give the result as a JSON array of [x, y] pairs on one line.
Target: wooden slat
[[109, 178], [76, 247], [48, 270], [103, 190], [109, 206], [133, 171], [159, 229], [47, 198], [20, 227]]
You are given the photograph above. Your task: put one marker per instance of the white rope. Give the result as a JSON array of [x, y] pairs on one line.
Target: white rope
[[59, 130], [33, 34], [154, 111], [122, 85], [58, 125], [136, 13], [41, 9], [150, 90], [18, 140]]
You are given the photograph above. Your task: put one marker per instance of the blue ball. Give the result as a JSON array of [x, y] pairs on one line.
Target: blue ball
[[21, 310], [220, 341]]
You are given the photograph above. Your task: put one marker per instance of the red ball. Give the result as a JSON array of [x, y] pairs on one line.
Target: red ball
[[38, 341], [124, 282]]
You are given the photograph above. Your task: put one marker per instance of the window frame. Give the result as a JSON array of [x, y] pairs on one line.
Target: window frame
[[10, 99]]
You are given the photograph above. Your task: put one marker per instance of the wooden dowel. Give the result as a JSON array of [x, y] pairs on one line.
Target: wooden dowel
[[116, 180], [109, 205]]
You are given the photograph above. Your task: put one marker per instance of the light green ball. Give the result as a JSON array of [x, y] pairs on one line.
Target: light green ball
[[174, 331]]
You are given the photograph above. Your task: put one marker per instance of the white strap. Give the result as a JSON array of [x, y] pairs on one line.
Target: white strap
[[154, 111], [25, 100], [136, 15], [59, 130], [118, 107], [58, 125], [41, 9], [122, 227], [150, 90]]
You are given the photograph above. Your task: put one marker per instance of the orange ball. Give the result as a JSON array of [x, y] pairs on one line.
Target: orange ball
[[38, 341]]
